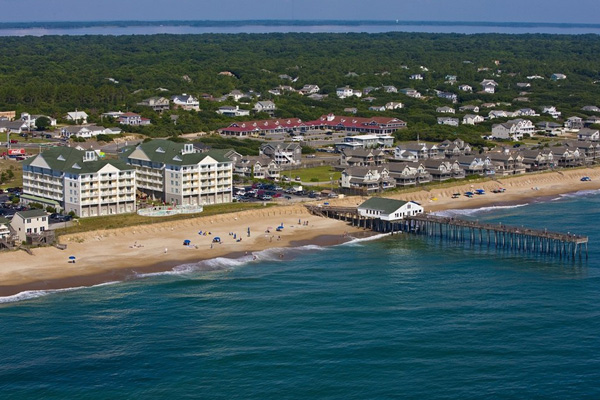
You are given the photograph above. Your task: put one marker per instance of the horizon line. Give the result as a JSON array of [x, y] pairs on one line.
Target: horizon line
[[304, 22]]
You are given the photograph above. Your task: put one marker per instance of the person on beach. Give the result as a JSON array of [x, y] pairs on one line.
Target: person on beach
[[165, 250]]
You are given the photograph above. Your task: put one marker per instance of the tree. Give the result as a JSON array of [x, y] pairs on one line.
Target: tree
[[42, 123]]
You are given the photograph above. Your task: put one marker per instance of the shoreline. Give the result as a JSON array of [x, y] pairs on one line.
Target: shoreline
[[126, 253]]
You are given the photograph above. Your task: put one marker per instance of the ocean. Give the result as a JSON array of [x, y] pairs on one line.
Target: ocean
[[387, 317]]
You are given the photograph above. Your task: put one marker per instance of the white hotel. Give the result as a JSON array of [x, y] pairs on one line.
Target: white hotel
[[177, 173], [77, 180]]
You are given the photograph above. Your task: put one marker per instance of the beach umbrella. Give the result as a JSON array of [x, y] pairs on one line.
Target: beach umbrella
[[71, 257]]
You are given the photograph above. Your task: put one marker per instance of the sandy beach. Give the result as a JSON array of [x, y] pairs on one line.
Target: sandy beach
[[119, 254]]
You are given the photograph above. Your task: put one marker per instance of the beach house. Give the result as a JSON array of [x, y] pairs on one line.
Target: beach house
[[389, 209], [27, 223]]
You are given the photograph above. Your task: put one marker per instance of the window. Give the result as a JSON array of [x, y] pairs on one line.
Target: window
[[29, 220]]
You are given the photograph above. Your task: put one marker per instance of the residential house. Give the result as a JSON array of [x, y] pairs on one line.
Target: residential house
[[411, 93], [347, 91], [236, 94], [589, 151], [558, 77], [130, 118], [82, 131], [488, 85], [549, 128], [351, 110], [447, 121], [369, 89], [472, 119], [469, 108], [591, 109], [365, 157], [525, 112], [368, 141], [498, 114], [574, 123], [31, 119], [465, 88], [186, 102], [257, 167], [593, 120], [408, 173], [451, 79], [448, 96], [390, 89], [232, 111], [523, 85], [156, 103], [27, 223], [537, 160], [265, 106], [442, 170], [552, 111], [282, 153], [445, 110], [592, 135], [416, 77], [5, 231], [17, 126], [394, 105], [177, 173], [389, 209], [377, 108], [76, 180], [453, 149], [79, 117], [309, 89], [414, 151], [476, 165], [506, 163], [366, 180], [567, 157], [513, 129]]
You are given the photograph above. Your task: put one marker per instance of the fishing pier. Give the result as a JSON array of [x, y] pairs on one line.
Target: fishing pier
[[518, 239]]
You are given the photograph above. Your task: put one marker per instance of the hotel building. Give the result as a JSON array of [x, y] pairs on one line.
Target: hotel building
[[77, 180]]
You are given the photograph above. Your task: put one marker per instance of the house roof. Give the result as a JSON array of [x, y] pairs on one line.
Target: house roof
[[387, 206], [70, 160], [31, 214], [168, 152]]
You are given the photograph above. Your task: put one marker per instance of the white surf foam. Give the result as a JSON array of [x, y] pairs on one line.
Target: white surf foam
[[472, 211], [34, 294], [358, 241], [580, 193]]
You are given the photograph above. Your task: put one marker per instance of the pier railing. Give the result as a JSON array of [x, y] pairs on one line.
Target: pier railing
[[515, 238]]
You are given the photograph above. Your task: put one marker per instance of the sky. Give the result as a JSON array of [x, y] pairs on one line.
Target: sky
[[554, 11]]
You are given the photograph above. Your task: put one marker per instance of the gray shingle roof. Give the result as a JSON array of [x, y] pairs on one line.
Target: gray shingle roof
[[387, 206]]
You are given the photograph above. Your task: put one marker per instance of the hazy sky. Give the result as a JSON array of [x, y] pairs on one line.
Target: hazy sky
[[574, 11]]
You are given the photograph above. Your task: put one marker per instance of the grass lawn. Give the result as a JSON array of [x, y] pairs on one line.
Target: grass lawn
[[316, 174], [125, 220], [17, 170]]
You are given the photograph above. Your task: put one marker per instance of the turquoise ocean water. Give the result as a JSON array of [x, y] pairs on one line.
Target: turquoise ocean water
[[395, 317]]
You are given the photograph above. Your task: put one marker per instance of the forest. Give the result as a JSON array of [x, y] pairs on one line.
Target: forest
[[51, 75]]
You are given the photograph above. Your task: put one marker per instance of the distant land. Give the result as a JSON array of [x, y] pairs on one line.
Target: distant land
[[215, 23]]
